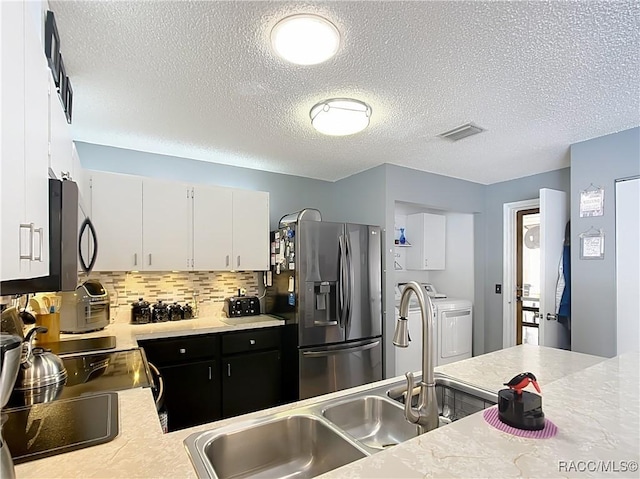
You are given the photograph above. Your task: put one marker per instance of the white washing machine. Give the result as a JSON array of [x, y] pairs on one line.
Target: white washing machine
[[453, 330]]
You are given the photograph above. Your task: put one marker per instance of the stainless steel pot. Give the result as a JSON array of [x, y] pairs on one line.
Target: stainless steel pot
[[40, 368]]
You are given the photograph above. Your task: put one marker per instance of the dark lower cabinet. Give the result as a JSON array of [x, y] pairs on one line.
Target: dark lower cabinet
[[190, 369], [211, 376], [251, 382], [192, 393]]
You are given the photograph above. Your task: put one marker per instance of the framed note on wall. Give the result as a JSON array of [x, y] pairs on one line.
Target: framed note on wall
[[592, 201], [592, 244]]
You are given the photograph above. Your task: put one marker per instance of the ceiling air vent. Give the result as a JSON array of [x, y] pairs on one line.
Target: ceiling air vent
[[461, 132]]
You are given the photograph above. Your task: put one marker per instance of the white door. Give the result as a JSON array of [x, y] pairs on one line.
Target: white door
[[116, 212], [166, 223], [553, 220], [250, 230], [212, 234], [628, 265]]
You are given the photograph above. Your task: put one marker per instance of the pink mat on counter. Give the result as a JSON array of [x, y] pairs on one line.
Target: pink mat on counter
[[491, 416]]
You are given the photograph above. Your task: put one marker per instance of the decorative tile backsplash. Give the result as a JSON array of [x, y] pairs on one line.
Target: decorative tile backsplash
[[210, 287]]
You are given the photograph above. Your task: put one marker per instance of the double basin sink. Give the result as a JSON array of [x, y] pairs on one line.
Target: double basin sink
[[310, 440]]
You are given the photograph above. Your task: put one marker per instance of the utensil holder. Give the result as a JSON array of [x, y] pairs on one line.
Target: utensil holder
[[50, 321]]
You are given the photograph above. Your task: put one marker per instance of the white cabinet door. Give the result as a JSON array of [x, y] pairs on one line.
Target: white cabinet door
[[212, 232], [250, 230], [60, 161], [12, 141], [427, 234], [78, 175], [36, 107], [116, 212], [165, 219]]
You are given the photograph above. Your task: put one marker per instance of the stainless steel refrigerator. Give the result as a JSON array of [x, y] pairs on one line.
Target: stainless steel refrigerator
[[327, 284]]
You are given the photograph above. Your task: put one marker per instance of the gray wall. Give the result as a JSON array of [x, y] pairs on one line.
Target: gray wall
[[593, 282], [286, 193], [443, 193], [496, 195], [370, 196]]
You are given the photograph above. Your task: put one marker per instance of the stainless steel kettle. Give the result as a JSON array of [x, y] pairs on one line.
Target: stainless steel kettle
[[40, 369]]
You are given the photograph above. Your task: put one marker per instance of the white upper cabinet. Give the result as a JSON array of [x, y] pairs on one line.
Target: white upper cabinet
[[12, 175], [231, 229], [250, 230], [165, 221], [24, 175], [212, 232], [61, 146], [116, 212], [36, 146], [426, 233], [146, 224]]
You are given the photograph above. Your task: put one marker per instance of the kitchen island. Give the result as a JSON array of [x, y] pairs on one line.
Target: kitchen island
[[592, 400]]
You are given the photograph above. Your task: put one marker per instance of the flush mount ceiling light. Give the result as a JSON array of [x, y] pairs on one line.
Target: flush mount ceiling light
[[305, 39], [340, 116]]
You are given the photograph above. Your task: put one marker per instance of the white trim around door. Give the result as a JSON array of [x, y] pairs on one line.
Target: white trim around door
[[509, 220]]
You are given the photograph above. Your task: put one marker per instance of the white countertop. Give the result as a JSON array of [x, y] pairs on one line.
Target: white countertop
[[127, 335], [593, 401]]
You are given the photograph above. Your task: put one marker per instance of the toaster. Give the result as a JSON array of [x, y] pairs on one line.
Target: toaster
[[238, 306]]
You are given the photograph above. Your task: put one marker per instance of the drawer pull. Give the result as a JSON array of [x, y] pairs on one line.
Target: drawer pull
[[209, 373], [252, 342], [229, 369], [182, 350]]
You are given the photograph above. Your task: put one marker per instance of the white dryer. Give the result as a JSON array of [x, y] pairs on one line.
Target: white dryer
[[453, 328]]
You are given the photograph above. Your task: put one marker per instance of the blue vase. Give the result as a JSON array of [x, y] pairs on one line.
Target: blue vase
[[403, 240]]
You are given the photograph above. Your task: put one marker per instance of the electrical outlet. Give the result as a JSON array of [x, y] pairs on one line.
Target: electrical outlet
[[498, 289]]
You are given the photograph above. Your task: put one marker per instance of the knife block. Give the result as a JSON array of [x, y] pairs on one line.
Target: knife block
[[50, 321]]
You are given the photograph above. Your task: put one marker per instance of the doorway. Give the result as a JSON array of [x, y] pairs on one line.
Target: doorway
[[527, 276], [553, 217]]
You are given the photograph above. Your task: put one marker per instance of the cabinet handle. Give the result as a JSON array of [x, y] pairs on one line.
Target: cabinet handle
[[238, 261], [40, 232], [182, 350], [252, 342], [30, 227], [209, 373], [135, 259], [149, 259], [229, 369], [227, 262]]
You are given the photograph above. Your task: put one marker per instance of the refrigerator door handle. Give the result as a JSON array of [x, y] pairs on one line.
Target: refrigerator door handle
[[342, 306], [350, 283], [325, 323], [341, 350]]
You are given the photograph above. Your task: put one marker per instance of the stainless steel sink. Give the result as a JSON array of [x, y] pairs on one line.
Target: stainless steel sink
[[310, 440], [292, 446], [372, 420], [456, 399]]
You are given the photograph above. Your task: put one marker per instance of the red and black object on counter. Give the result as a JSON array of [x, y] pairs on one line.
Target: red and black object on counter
[[518, 408], [521, 381]]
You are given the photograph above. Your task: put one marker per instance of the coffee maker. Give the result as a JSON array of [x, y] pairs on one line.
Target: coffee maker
[[11, 351]]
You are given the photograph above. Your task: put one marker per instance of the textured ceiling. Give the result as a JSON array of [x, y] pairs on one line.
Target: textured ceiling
[[199, 80]]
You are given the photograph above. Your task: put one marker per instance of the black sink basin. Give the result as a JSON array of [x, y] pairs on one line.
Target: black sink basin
[[43, 430]]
